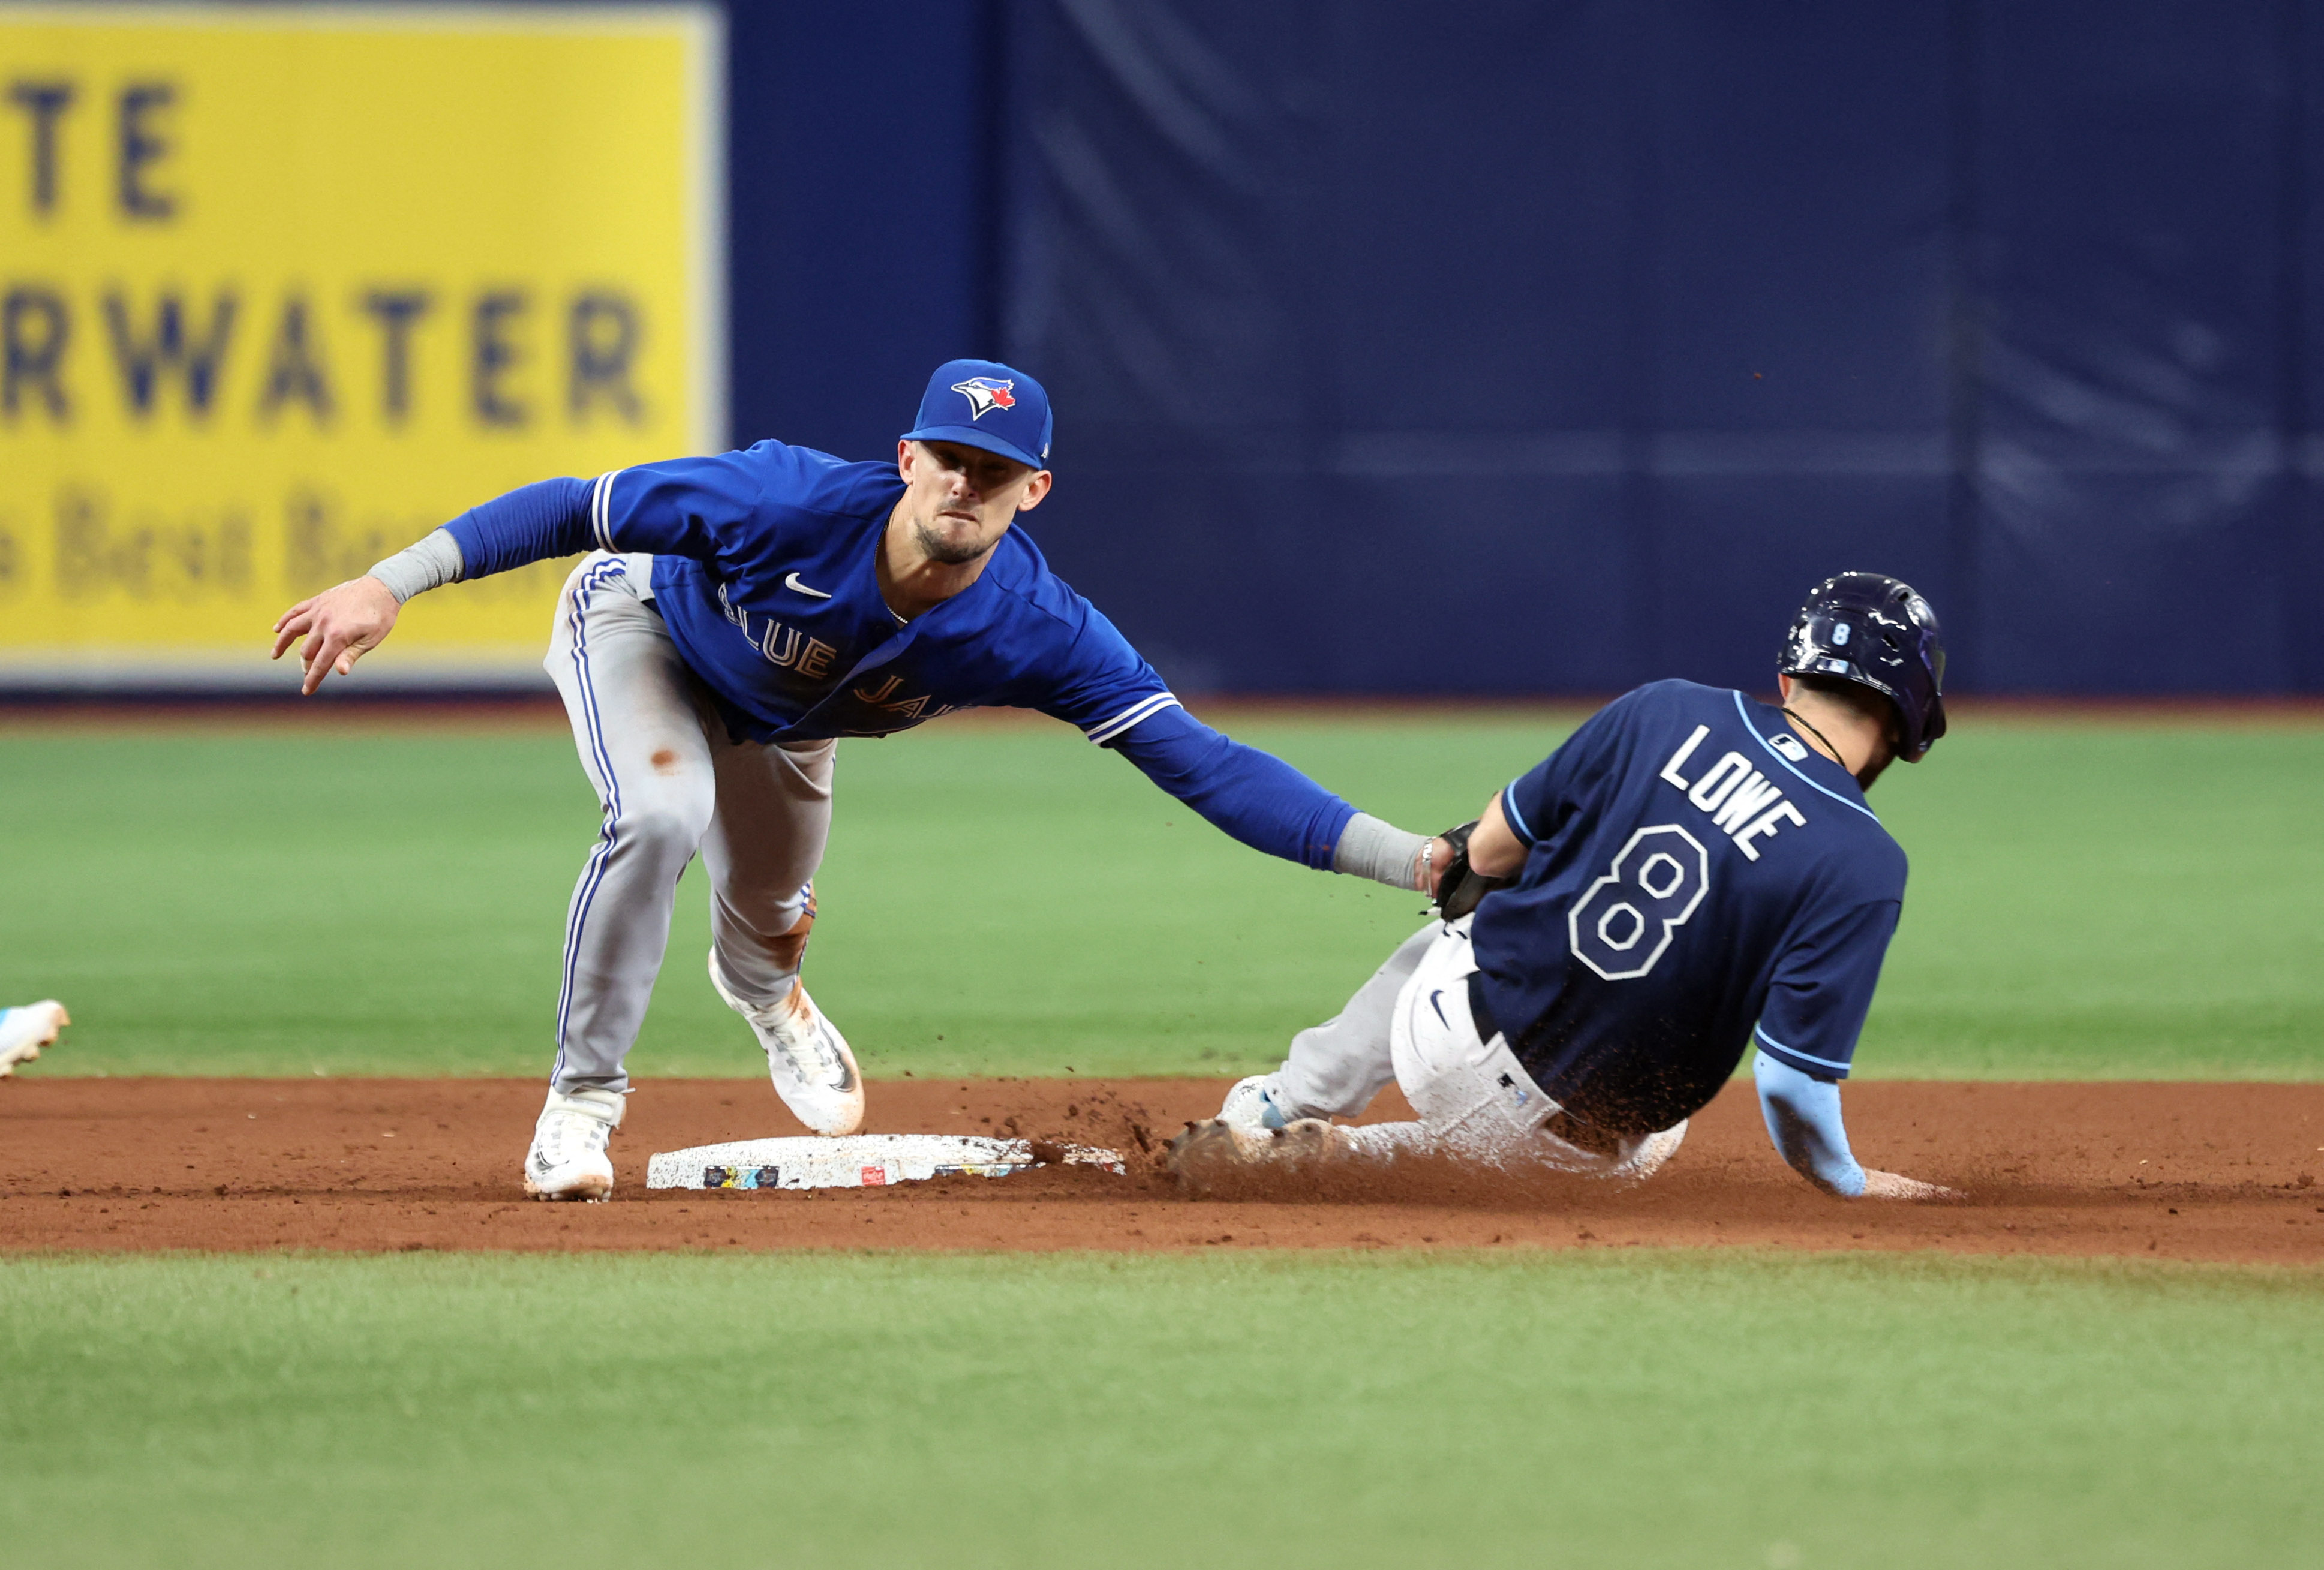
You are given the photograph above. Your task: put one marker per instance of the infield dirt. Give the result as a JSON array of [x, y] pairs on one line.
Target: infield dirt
[[2207, 1171]]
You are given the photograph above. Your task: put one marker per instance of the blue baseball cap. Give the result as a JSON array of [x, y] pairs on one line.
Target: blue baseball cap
[[984, 403]]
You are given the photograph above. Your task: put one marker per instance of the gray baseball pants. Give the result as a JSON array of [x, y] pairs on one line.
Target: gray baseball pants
[[669, 783]]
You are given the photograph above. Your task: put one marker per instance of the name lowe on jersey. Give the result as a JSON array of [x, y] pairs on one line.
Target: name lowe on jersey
[[1695, 877]]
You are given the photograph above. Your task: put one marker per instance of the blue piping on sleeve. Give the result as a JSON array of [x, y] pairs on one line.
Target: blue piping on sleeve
[[1803, 1115], [1511, 816], [1839, 1070]]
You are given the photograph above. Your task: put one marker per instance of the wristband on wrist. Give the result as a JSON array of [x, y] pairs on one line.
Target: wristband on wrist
[[1371, 848], [432, 563]]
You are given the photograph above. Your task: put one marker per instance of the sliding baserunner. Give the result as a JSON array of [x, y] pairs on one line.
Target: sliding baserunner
[[737, 615], [1691, 874]]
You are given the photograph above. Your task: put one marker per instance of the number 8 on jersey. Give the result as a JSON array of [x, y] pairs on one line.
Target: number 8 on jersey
[[1656, 881]]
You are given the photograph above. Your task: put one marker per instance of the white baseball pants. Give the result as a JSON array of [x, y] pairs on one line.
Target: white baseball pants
[[669, 783], [1410, 1022]]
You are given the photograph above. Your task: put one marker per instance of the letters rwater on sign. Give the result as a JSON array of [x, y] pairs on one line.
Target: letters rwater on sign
[[282, 289]]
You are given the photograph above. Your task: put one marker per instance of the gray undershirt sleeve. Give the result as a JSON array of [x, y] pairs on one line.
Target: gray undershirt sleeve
[[432, 563], [1372, 848]]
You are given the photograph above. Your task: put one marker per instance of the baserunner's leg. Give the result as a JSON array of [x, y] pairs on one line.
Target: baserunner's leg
[[1276, 1121], [642, 744], [1474, 1099]]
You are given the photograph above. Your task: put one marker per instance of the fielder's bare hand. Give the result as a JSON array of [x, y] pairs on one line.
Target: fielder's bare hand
[[341, 625], [1896, 1186]]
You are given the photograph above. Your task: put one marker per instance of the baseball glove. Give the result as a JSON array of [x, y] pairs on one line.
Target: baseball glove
[[1461, 886]]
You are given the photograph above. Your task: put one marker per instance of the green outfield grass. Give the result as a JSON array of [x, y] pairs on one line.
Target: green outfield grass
[[2088, 900], [1632, 1408]]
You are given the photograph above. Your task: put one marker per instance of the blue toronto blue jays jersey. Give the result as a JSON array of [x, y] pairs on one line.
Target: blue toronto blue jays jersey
[[1696, 878], [765, 573]]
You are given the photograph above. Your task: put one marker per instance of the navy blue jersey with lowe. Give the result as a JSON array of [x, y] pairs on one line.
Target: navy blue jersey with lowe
[[1694, 875]]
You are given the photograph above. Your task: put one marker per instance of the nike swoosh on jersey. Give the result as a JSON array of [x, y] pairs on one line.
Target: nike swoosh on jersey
[[791, 581]]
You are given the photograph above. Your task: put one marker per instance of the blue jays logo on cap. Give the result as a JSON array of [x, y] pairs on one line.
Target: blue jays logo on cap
[[985, 394], [1018, 427]]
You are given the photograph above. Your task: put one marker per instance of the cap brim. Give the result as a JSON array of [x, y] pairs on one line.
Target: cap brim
[[969, 436]]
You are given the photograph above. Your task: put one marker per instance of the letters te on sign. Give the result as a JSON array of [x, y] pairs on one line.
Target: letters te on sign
[[282, 288]]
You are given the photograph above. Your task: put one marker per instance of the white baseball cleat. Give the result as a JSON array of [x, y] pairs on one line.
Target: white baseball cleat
[[1255, 1104], [807, 1058], [24, 1031], [568, 1159]]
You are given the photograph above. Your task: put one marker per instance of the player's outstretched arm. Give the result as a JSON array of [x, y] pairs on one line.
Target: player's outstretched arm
[[340, 626], [1803, 1115], [1270, 806]]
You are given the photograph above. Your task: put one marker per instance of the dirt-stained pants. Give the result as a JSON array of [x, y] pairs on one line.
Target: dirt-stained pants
[[669, 783], [1410, 1023]]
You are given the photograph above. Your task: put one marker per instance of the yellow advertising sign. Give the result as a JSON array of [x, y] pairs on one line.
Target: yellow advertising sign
[[282, 289]]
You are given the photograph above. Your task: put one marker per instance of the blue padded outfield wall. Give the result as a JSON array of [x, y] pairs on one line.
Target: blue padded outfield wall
[[1499, 347]]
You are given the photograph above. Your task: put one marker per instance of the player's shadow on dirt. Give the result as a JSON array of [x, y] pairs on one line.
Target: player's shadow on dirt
[[1447, 1183]]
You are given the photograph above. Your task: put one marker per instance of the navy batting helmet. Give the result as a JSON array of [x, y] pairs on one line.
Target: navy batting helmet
[[1874, 630]]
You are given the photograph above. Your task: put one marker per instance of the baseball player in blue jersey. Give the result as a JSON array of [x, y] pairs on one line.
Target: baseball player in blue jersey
[[736, 615], [1691, 872]]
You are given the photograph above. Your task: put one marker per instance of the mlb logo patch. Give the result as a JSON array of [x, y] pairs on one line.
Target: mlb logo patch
[[985, 394]]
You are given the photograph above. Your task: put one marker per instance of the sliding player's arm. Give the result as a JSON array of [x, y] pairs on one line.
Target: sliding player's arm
[[1802, 1113], [1807, 1034]]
